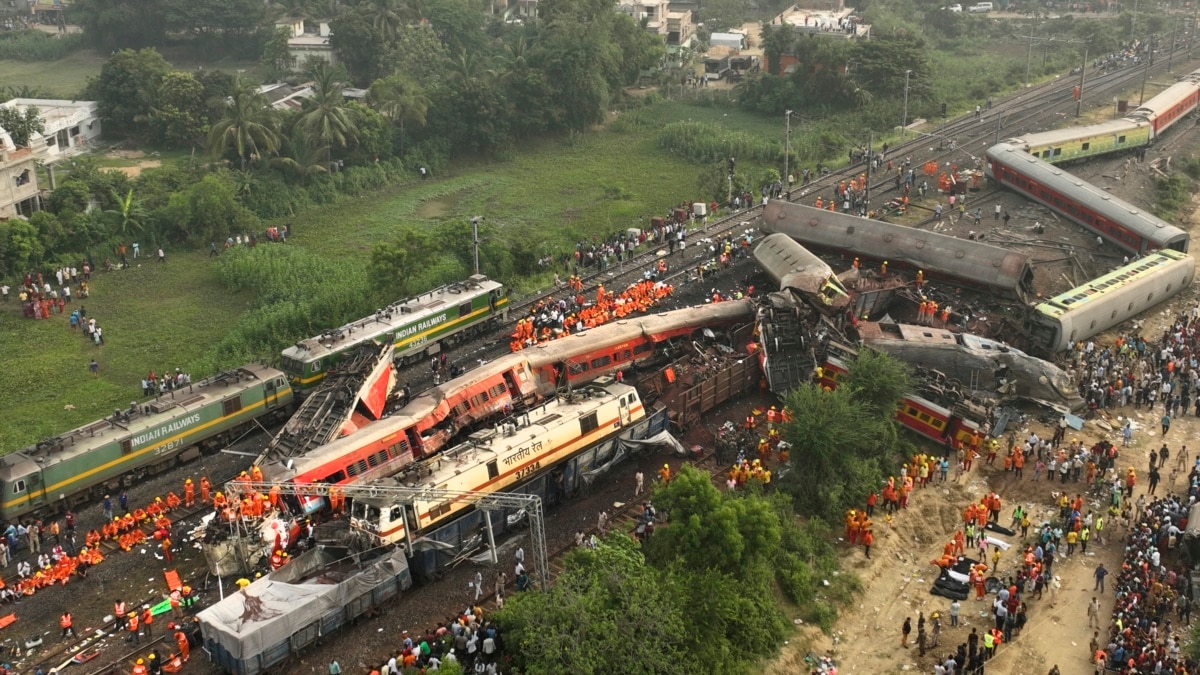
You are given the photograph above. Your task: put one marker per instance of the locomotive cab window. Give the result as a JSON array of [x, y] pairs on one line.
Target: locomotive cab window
[[126, 446], [464, 309], [493, 471], [315, 366], [1086, 146], [18, 487], [396, 514]]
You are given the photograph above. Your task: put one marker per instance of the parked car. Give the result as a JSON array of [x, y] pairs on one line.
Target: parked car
[[953, 8], [980, 7]]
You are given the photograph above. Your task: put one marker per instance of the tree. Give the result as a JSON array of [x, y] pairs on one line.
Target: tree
[[399, 99], [21, 126], [842, 446], [179, 116], [125, 89], [609, 610], [249, 127], [207, 211], [121, 24], [128, 217], [360, 46], [387, 17], [711, 530], [878, 380], [721, 15], [276, 56], [459, 24], [303, 158], [394, 262], [326, 118]]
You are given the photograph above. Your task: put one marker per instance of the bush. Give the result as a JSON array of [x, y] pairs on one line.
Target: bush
[[704, 143], [1173, 195], [295, 294], [34, 45]]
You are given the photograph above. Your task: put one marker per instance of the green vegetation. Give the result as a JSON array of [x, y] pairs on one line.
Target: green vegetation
[[697, 597], [155, 317], [63, 78], [1173, 196], [35, 45], [848, 432]]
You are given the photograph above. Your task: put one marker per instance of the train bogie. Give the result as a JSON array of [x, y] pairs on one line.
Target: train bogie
[[1104, 302], [416, 326], [1116, 220], [150, 437]]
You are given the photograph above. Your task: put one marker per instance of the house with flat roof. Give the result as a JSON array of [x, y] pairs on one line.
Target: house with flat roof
[[19, 193], [71, 126]]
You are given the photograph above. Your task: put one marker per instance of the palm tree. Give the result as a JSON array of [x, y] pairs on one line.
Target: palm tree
[[127, 218], [399, 99], [326, 118], [388, 18], [304, 158], [294, 9], [249, 126]]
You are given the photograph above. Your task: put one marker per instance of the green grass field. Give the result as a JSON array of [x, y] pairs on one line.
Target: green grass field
[[597, 184], [64, 78], [155, 317]]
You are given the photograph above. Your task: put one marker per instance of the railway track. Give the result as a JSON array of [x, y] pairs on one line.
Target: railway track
[[64, 651]]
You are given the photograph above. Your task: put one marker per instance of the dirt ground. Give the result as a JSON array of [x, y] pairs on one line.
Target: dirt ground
[[897, 578], [139, 157]]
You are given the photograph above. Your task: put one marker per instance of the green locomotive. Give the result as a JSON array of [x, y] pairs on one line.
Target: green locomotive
[[417, 326], [150, 437]]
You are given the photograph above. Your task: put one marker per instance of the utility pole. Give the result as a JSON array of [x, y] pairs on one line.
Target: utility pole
[[1146, 73], [1029, 56], [904, 123], [475, 239], [787, 147], [1171, 49], [870, 164], [1082, 75]]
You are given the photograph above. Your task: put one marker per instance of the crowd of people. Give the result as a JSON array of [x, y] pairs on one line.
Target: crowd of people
[[1152, 599], [40, 299], [467, 638], [550, 319]]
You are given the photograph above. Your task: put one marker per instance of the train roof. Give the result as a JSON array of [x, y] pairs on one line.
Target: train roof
[[146, 416], [395, 316], [1133, 272], [871, 331], [1072, 133], [488, 445], [1168, 97], [658, 327], [1145, 224], [971, 261]]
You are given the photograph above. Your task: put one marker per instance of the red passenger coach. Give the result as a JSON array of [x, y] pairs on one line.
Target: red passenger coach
[[918, 414], [1118, 221]]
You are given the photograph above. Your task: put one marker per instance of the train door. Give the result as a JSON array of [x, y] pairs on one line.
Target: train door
[[623, 407], [270, 394]]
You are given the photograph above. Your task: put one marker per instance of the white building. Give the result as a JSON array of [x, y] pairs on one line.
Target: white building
[[676, 28], [308, 43], [71, 126], [19, 193]]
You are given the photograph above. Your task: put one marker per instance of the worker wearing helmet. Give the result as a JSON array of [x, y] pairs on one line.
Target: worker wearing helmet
[[665, 473], [189, 493], [140, 668]]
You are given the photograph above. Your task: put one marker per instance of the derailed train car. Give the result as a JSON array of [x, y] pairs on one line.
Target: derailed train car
[[959, 262]]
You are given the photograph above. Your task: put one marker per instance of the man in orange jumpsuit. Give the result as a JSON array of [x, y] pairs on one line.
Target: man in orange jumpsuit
[[182, 641], [204, 488], [189, 493]]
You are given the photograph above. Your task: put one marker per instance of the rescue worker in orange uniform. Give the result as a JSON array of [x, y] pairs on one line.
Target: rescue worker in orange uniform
[[204, 488], [139, 668], [664, 473], [147, 620], [256, 473], [219, 501], [166, 549], [182, 641], [189, 493], [64, 621]]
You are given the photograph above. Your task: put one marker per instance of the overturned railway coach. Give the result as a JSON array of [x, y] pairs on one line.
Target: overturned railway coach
[[959, 262], [1116, 220], [1108, 300]]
